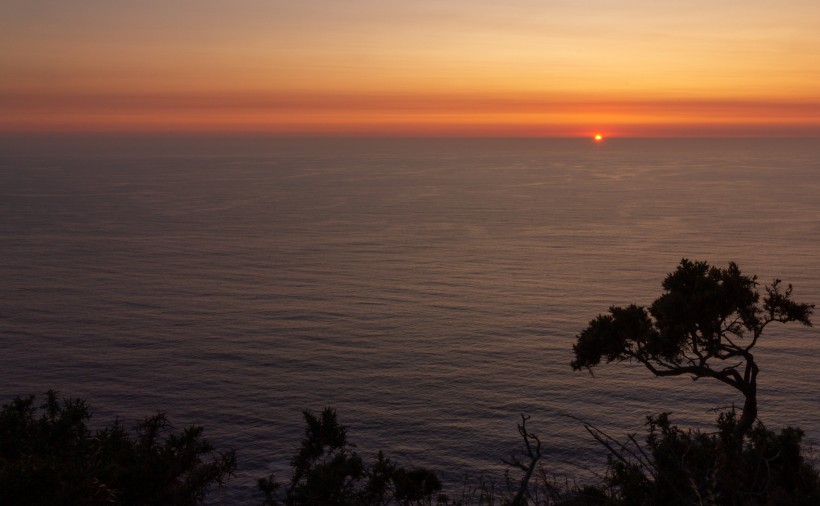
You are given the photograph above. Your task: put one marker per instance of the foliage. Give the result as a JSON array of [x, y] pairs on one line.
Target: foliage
[[705, 324], [683, 467], [55, 458], [328, 472]]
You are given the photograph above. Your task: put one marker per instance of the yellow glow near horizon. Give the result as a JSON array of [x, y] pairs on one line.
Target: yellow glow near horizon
[[365, 67]]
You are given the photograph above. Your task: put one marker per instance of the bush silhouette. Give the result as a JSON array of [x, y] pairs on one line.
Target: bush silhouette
[[680, 467], [55, 458], [328, 472]]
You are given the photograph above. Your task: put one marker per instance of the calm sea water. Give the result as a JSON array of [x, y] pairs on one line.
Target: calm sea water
[[429, 290]]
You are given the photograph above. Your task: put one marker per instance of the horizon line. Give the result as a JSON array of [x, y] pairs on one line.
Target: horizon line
[[363, 136]]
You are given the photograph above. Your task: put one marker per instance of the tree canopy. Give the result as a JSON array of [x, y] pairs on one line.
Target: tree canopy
[[705, 324]]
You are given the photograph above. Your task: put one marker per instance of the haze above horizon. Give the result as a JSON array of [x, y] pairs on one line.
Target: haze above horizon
[[631, 68]]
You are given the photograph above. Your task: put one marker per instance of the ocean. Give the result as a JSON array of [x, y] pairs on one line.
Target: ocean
[[430, 290]]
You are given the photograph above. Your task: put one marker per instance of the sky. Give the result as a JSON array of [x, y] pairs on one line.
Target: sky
[[423, 68]]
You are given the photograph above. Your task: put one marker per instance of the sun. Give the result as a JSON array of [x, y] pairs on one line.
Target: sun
[[598, 137]]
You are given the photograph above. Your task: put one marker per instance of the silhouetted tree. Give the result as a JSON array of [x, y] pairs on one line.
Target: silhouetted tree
[[705, 324], [55, 458]]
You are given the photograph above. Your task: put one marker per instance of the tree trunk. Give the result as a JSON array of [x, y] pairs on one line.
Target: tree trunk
[[747, 419]]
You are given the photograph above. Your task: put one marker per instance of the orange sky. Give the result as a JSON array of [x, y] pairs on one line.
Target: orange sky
[[444, 67]]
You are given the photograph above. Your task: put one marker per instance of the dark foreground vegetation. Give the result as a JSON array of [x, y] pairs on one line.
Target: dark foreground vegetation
[[705, 324], [49, 456]]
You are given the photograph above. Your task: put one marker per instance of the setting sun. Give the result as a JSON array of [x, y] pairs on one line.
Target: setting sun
[[599, 137]]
